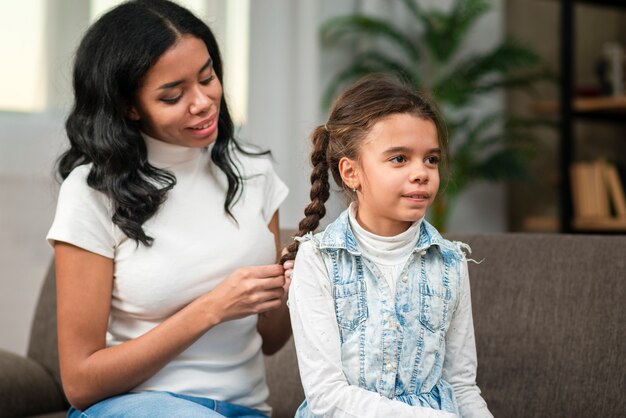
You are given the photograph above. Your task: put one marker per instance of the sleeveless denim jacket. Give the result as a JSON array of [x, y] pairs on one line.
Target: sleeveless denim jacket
[[393, 344]]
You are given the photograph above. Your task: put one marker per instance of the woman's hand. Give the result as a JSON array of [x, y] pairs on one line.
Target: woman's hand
[[248, 291], [288, 266]]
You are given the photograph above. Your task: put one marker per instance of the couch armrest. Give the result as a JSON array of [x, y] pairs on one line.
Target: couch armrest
[[26, 388]]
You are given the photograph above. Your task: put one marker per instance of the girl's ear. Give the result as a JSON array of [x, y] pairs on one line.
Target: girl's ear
[[349, 171]]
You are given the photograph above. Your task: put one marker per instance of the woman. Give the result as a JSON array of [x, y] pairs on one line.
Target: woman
[[166, 230]]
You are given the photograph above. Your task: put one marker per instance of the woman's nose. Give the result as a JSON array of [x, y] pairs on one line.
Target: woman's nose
[[200, 102]]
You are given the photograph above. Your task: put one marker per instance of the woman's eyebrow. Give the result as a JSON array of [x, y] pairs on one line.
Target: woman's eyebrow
[[171, 84]]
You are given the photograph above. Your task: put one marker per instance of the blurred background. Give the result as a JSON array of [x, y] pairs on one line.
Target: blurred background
[[527, 99]]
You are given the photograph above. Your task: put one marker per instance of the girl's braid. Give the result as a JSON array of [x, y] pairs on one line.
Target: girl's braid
[[320, 190]]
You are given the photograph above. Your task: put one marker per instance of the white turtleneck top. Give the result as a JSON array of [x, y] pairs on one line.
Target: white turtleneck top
[[390, 254], [196, 245]]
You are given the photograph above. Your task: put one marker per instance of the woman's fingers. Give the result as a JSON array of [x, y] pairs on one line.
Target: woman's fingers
[[270, 305]]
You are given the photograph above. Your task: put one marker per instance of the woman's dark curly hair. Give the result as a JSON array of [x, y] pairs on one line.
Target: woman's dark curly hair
[[352, 116], [111, 61]]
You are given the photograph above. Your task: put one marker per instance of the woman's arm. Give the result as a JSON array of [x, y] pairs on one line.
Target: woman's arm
[[459, 367], [316, 334], [275, 326], [90, 371]]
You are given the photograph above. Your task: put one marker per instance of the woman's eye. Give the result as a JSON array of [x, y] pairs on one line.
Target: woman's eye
[[207, 80], [398, 159], [171, 100]]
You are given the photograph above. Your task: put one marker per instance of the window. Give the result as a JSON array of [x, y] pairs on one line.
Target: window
[[22, 74], [26, 84]]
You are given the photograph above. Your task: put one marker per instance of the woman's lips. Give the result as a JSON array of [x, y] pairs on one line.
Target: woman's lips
[[206, 127]]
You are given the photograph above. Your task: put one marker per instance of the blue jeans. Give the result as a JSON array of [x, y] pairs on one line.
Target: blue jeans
[[163, 404]]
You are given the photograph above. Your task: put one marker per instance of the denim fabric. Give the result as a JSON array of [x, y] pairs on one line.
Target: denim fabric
[[163, 404], [394, 344]]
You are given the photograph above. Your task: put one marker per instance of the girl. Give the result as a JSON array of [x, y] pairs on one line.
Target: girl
[[380, 303], [166, 229]]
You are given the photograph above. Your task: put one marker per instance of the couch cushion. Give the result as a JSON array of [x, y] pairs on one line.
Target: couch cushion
[[26, 388], [283, 379], [42, 346], [549, 318]]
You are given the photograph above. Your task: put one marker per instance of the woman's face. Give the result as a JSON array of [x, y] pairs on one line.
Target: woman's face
[[179, 99]]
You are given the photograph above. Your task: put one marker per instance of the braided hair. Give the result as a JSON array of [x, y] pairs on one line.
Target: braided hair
[[352, 116]]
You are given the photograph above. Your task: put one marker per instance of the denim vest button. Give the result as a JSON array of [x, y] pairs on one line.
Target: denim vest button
[[423, 252], [405, 278]]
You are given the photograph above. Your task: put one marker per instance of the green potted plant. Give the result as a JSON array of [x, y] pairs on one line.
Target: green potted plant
[[492, 147]]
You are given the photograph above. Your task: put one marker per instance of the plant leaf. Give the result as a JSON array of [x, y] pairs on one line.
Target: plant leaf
[[506, 164], [506, 60], [359, 25], [445, 32]]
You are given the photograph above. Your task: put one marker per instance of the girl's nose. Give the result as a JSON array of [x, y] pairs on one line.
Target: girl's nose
[[200, 102], [419, 174]]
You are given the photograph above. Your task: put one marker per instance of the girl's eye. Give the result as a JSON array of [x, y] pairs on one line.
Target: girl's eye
[[433, 159], [207, 80], [398, 159]]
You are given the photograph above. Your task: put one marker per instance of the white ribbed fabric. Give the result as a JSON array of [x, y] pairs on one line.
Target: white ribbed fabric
[[390, 254]]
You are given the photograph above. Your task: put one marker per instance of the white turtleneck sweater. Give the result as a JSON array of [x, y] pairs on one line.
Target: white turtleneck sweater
[[390, 254], [196, 245]]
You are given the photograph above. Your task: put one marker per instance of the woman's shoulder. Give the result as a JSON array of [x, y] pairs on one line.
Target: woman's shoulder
[[253, 159], [77, 179], [76, 187]]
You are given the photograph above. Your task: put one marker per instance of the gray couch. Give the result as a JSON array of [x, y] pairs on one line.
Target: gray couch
[[549, 312]]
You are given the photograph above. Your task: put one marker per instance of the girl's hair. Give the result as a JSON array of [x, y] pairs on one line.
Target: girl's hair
[[111, 61], [352, 116]]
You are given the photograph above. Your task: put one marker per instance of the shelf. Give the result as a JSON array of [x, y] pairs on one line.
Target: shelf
[[587, 105], [610, 3], [600, 224]]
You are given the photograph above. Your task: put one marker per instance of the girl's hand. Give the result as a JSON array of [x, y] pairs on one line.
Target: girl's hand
[[248, 291]]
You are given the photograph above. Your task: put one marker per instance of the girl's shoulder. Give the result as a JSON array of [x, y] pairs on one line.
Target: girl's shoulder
[[448, 248]]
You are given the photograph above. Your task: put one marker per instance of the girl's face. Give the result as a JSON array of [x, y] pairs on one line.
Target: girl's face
[[397, 177], [179, 99]]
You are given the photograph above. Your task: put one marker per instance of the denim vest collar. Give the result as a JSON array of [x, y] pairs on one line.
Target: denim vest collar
[[339, 235]]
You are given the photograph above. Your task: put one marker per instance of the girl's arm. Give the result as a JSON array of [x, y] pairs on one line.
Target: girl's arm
[[459, 367], [316, 334], [275, 326], [90, 371]]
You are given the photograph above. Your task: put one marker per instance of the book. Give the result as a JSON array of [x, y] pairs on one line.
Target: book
[[600, 189], [615, 189], [596, 188]]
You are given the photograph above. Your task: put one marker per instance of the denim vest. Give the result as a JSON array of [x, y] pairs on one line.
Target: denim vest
[[393, 344]]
